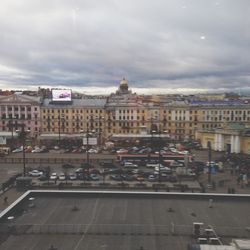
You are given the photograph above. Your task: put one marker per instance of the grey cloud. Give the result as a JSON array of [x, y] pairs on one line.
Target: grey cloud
[[83, 43]]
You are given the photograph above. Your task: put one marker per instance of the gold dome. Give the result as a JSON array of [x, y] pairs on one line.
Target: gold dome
[[123, 82]]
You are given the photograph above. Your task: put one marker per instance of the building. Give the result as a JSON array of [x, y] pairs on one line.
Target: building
[[122, 114], [17, 111], [64, 122], [233, 138]]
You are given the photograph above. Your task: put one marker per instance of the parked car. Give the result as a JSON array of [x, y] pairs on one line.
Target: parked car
[[79, 170], [35, 173], [152, 164], [94, 177], [62, 177], [112, 171], [36, 150], [152, 178], [128, 164], [127, 177], [93, 151], [53, 176], [122, 151], [72, 176], [28, 149], [183, 152], [139, 178], [18, 150], [163, 169], [43, 177], [116, 177]]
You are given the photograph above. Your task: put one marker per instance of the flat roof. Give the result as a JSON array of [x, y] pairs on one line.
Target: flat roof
[[119, 220]]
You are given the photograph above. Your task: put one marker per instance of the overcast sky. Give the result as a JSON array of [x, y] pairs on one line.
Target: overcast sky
[[91, 45]]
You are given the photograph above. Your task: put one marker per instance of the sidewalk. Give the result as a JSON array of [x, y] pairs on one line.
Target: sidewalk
[[12, 195], [224, 181]]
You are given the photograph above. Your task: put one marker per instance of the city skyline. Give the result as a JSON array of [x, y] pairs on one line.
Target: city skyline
[[164, 47]]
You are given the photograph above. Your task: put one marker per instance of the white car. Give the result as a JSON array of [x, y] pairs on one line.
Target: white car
[[173, 150], [122, 151], [36, 150], [163, 169], [128, 164], [17, 150], [152, 164], [184, 152], [93, 151], [72, 176], [62, 177], [53, 176], [35, 173]]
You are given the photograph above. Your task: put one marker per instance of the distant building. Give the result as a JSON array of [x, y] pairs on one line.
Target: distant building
[[123, 113], [18, 109], [233, 138]]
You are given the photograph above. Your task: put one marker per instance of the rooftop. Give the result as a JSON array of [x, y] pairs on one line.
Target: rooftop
[[119, 220], [97, 102]]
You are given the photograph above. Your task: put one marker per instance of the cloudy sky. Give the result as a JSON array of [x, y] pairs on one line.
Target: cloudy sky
[[90, 45]]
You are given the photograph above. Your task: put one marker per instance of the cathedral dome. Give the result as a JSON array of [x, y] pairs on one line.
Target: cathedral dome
[[123, 82]]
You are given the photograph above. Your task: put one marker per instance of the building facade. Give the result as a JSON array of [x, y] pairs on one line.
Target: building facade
[[70, 121], [233, 138], [17, 111], [122, 113]]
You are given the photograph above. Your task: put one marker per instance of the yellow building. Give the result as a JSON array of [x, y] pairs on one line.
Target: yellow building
[[233, 138], [69, 121], [126, 113]]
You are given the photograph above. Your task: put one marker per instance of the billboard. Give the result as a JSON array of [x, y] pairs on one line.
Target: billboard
[[61, 95]]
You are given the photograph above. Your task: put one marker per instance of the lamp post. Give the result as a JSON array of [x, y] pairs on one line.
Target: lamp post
[[87, 135], [209, 162], [22, 136]]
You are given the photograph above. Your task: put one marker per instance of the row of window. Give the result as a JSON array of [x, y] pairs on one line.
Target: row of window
[[227, 112], [21, 116], [220, 118], [7, 128], [17, 108], [96, 111]]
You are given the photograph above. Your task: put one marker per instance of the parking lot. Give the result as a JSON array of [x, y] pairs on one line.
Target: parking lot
[[116, 175]]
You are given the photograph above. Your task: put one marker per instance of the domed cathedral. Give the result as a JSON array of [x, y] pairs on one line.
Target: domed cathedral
[[123, 88]]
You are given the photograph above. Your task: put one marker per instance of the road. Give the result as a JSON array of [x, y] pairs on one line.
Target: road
[[56, 159]]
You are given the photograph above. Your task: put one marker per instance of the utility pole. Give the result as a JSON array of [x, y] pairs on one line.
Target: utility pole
[[209, 162]]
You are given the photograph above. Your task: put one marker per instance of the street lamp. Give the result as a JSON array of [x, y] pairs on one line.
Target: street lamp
[[87, 135], [22, 136], [209, 162]]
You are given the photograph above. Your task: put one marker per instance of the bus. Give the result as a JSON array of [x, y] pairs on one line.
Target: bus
[[143, 159]]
